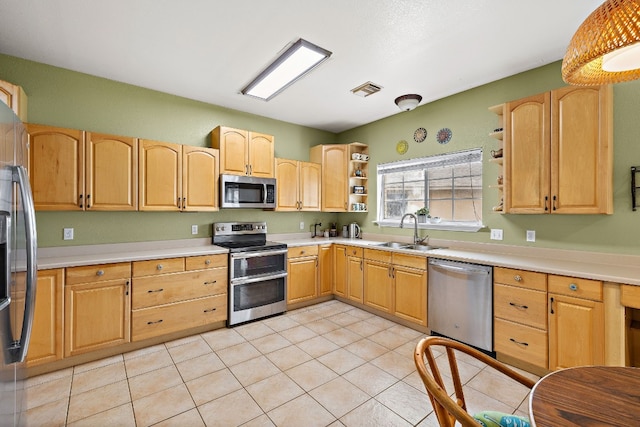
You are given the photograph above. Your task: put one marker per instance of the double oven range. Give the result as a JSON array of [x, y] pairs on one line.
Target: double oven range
[[257, 271]]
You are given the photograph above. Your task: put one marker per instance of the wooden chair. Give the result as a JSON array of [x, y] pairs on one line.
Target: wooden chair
[[446, 408]]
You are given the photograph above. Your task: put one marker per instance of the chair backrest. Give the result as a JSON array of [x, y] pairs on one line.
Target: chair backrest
[[451, 409]]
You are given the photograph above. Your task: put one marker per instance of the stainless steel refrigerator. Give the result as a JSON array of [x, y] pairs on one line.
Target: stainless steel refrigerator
[[18, 261]]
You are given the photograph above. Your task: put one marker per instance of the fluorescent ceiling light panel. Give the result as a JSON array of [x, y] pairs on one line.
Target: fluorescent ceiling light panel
[[300, 58]]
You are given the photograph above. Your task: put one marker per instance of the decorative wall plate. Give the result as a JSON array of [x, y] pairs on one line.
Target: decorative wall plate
[[443, 136], [420, 135], [402, 147]]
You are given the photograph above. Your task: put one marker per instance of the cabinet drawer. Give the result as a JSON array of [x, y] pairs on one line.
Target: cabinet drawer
[[302, 251], [410, 261], [164, 319], [520, 278], [158, 266], [98, 273], [522, 342], [574, 287], [355, 251], [205, 261], [520, 305], [630, 296], [376, 255], [168, 288]]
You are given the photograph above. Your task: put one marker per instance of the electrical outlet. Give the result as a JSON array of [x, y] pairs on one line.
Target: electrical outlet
[[67, 233], [531, 235], [496, 234], [301, 225], [194, 229]]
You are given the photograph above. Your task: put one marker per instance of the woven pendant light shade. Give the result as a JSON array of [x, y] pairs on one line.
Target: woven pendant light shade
[[613, 25]]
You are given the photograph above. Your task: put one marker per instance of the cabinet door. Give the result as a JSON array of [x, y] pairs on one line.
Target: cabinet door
[[261, 155], [340, 270], [46, 344], [334, 178], [411, 294], [581, 150], [97, 315], [15, 98], [355, 278], [325, 269], [199, 179], [576, 332], [302, 282], [378, 289], [160, 176], [56, 167], [526, 155], [111, 173], [233, 145], [287, 177], [310, 186]]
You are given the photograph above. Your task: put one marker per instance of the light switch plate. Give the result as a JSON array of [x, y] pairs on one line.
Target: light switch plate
[[531, 235], [496, 234], [194, 229], [301, 225], [67, 233]]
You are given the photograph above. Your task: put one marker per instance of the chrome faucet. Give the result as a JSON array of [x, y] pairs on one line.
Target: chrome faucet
[[416, 239]]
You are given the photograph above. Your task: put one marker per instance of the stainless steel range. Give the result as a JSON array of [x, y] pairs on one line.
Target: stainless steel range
[[257, 270]]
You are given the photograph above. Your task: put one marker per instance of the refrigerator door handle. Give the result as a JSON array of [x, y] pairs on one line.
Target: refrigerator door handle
[[20, 177]]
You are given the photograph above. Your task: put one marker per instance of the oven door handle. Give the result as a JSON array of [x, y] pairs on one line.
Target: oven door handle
[[257, 279], [242, 255]]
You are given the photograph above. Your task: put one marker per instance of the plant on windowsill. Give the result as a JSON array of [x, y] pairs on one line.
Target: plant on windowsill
[[422, 214]]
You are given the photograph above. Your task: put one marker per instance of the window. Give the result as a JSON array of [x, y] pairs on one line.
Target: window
[[449, 185]]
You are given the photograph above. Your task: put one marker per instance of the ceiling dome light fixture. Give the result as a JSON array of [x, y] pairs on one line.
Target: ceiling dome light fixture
[[606, 47], [408, 102]]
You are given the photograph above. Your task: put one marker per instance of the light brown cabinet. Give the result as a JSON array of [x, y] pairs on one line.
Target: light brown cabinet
[[15, 98], [378, 289], [302, 280], [325, 261], [576, 322], [75, 170], [558, 152], [243, 152], [344, 176], [97, 307], [298, 185], [355, 274], [340, 270], [174, 294], [46, 343], [176, 177]]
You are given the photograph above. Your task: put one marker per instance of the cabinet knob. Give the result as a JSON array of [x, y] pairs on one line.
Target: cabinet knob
[[207, 261], [517, 278], [573, 287], [159, 266], [302, 252], [100, 273]]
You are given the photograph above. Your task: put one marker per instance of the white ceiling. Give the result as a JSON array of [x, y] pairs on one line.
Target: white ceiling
[[208, 50]]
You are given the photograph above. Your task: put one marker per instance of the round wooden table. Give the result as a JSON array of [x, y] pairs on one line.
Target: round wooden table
[[587, 396]]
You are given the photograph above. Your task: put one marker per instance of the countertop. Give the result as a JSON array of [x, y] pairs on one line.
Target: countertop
[[598, 266]]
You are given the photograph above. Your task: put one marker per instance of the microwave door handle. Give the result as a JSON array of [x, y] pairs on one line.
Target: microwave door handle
[[20, 176], [264, 193]]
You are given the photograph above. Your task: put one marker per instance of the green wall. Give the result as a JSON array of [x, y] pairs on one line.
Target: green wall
[[69, 99]]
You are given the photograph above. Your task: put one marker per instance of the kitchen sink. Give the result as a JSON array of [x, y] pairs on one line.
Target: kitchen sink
[[401, 245], [394, 245]]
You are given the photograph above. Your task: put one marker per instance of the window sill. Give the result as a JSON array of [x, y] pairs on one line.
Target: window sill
[[444, 226]]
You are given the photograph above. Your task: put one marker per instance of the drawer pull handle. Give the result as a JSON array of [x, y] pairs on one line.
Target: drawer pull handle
[[100, 273], [159, 266], [513, 304], [519, 342], [211, 282], [209, 310], [302, 252], [573, 287], [154, 322], [207, 262], [517, 278], [150, 291]]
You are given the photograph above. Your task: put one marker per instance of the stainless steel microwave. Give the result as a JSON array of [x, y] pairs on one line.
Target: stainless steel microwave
[[239, 191]]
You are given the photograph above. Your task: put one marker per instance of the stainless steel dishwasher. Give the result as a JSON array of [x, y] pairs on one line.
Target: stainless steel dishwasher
[[461, 302]]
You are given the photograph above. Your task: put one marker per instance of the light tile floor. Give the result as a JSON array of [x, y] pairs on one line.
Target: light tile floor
[[328, 364]]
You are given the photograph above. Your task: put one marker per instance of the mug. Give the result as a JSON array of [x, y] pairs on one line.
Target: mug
[[364, 157], [355, 156]]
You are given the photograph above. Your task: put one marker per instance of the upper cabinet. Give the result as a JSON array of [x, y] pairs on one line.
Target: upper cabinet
[[15, 98], [298, 185], [243, 152], [558, 152], [176, 177], [74, 170]]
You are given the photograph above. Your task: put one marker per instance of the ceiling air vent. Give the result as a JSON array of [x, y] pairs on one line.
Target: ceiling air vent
[[366, 89]]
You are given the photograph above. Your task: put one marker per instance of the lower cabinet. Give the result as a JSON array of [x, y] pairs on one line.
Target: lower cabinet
[[325, 266], [302, 280], [355, 274], [174, 294], [46, 343], [378, 291], [97, 304], [340, 270]]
